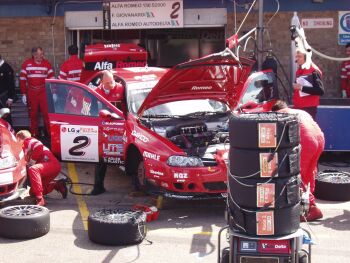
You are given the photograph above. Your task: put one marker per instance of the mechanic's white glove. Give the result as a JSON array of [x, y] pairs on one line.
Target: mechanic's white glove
[[54, 96], [343, 93], [24, 99], [9, 102]]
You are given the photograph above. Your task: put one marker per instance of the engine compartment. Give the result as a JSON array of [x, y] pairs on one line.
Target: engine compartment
[[195, 136]]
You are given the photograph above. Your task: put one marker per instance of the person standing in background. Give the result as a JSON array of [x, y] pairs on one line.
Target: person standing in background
[[308, 87], [7, 86], [345, 74], [34, 71], [71, 68]]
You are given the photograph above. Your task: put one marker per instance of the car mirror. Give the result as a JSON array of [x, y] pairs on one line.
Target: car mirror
[[4, 112]]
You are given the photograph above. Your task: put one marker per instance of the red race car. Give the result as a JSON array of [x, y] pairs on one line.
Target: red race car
[[171, 128], [12, 163]]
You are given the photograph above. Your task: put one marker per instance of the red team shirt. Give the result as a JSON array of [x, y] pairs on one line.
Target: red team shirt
[[71, 69], [33, 75], [345, 77]]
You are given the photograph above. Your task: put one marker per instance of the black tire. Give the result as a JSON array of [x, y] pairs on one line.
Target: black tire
[[139, 176], [244, 132], [117, 227], [244, 191], [247, 162], [24, 221], [286, 220], [333, 185], [225, 255]]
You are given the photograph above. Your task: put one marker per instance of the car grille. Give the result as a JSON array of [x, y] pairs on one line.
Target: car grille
[[215, 186]]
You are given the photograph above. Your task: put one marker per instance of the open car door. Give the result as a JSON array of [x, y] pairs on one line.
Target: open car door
[[79, 126]]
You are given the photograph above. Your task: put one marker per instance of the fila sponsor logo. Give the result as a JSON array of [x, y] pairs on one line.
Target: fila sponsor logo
[[152, 156], [201, 88], [139, 136]]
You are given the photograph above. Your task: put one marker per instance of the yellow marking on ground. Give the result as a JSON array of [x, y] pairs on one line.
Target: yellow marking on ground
[[84, 211]]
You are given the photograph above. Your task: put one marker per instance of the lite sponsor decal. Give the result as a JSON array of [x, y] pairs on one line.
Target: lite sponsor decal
[[112, 149], [139, 136], [156, 172], [201, 88], [152, 156]]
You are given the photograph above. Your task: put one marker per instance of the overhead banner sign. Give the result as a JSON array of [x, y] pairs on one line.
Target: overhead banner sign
[[344, 27], [143, 14]]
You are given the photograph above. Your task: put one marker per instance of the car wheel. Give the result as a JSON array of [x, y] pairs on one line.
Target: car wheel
[[139, 176], [246, 125], [333, 185], [117, 227], [24, 221]]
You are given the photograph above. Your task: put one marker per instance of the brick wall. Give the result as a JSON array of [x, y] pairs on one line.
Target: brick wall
[[18, 35], [323, 40]]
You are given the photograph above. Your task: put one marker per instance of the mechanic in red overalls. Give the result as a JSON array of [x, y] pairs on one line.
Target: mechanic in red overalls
[[34, 71], [312, 145], [43, 167], [308, 87], [113, 92], [345, 75], [71, 68]]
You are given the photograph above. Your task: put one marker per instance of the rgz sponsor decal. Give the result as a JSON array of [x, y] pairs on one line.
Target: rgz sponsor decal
[[152, 156], [140, 136], [180, 176], [83, 142]]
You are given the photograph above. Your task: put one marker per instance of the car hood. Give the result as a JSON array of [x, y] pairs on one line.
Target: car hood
[[218, 76]]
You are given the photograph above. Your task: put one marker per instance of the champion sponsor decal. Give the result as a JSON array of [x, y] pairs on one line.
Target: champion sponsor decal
[[152, 156], [139, 136], [201, 88]]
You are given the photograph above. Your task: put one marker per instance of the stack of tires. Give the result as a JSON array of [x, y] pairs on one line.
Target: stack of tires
[[264, 174]]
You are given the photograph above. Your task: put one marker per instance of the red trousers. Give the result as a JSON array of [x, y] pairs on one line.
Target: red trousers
[[41, 177], [310, 153], [37, 101]]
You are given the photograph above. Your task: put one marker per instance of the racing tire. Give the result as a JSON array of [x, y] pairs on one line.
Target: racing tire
[[244, 130], [117, 227], [24, 221], [245, 192], [332, 185], [139, 177], [248, 162], [285, 220]]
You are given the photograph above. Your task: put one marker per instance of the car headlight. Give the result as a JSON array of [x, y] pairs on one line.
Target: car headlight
[[184, 161], [8, 162]]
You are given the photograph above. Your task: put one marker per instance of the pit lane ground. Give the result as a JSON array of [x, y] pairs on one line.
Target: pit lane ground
[[186, 231]]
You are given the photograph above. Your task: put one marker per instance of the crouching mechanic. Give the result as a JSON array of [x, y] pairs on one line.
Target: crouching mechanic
[[43, 167], [312, 145], [112, 92]]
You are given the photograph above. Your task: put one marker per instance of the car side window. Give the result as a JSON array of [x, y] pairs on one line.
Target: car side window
[[72, 100]]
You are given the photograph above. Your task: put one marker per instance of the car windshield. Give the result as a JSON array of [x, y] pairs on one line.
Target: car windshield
[[136, 96], [261, 88]]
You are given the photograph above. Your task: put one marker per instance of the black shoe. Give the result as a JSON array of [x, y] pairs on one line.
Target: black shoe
[[98, 190]]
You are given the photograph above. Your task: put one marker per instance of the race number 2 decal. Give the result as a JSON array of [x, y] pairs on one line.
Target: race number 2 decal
[[79, 143], [83, 142], [176, 7]]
